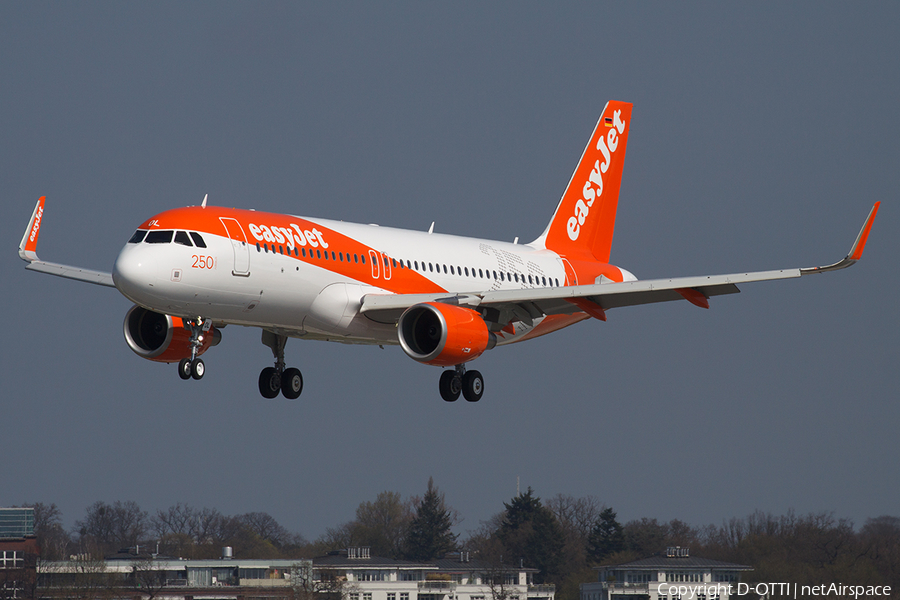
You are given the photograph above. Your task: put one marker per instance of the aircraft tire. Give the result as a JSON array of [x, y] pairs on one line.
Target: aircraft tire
[[291, 383], [473, 386], [184, 368], [450, 386], [198, 368], [269, 382]]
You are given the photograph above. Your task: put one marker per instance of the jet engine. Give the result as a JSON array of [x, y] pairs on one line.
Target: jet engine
[[163, 338], [443, 334]]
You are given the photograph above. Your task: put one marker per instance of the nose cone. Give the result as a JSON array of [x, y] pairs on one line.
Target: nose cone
[[133, 274]]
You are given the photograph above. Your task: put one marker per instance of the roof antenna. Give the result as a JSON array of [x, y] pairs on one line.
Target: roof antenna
[[431, 229], [203, 204]]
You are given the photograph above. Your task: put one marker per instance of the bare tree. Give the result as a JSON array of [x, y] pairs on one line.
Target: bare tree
[[108, 527], [146, 579], [308, 583], [51, 536]]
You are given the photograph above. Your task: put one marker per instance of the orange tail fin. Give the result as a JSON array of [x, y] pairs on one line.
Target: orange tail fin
[[586, 215]]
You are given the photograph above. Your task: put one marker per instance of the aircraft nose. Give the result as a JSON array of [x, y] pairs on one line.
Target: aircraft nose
[[132, 273]]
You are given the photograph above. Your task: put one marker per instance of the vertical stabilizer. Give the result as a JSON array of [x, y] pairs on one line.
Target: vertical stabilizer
[[585, 218]]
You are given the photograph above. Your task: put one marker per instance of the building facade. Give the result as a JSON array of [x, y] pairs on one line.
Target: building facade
[[673, 575], [19, 553], [457, 576], [350, 574]]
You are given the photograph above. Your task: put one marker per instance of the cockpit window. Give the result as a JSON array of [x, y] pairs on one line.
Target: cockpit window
[[138, 236], [198, 240], [181, 237], [159, 237]]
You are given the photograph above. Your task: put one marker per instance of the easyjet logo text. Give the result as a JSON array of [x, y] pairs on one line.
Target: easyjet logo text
[[593, 186], [37, 224], [284, 235]]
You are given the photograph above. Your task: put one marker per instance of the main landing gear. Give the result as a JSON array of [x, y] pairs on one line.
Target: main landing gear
[[193, 366], [273, 380], [470, 383]]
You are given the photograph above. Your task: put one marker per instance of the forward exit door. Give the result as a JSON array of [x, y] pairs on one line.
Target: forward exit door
[[239, 245]]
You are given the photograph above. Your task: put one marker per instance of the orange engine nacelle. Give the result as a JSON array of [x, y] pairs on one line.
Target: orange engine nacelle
[[163, 338], [443, 334]]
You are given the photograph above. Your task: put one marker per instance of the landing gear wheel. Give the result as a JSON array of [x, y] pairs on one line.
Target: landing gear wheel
[[197, 368], [291, 383], [184, 368], [473, 386], [450, 386], [269, 382]]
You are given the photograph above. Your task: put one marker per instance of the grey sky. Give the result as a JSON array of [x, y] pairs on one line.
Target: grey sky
[[762, 134]]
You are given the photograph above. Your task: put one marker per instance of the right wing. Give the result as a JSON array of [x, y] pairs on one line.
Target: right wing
[[28, 253], [528, 304]]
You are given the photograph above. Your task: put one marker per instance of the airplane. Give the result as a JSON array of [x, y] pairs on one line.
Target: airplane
[[444, 299]]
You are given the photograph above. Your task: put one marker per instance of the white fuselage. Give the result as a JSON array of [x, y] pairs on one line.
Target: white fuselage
[[266, 285]]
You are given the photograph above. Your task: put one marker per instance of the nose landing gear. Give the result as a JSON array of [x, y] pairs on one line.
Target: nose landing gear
[[469, 383], [273, 380], [194, 366]]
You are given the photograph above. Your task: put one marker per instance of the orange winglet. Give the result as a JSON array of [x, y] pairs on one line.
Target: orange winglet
[[590, 307], [694, 296], [859, 246], [28, 245]]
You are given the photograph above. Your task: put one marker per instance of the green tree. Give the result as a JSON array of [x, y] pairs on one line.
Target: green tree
[[381, 525], [530, 533], [606, 537], [429, 535]]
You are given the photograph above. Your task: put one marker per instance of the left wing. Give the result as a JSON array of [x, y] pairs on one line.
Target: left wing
[[528, 304], [28, 253]]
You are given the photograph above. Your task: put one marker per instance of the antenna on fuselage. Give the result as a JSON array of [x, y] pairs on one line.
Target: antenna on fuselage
[[431, 229], [203, 204]]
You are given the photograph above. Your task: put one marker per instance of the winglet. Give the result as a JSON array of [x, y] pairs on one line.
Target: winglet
[[28, 245], [856, 250]]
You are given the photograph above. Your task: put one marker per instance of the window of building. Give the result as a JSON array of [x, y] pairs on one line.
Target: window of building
[[252, 573], [11, 559], [404, 595]]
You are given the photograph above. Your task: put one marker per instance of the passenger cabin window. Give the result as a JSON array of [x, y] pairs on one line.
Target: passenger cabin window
[[181, 237], [159, 237], [198, 240], [138, 236]]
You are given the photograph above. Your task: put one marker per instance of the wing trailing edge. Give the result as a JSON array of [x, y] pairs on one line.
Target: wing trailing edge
[[600, 297]]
